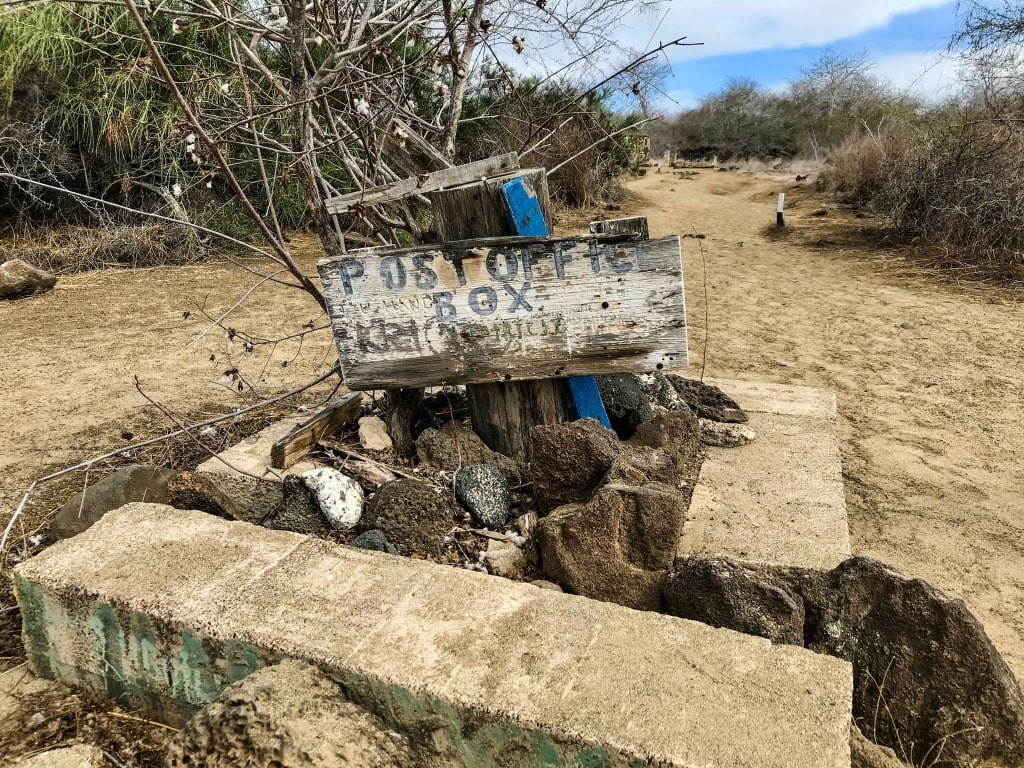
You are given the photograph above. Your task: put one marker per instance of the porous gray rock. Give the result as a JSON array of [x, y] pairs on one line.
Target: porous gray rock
[[617, 546], [373, 434], [77, 756], [415, 516], [239, 497], [19, 279], [719, 592], [921, 656], [454, 446], [138, 482], [638, 465], [299, 512], [484, 492], [625, 402], [864, 753], [724, 435], [373, 540], [677, 432], [289, 715], [506, 559], [708, 401], [661, 393], [569, 461]]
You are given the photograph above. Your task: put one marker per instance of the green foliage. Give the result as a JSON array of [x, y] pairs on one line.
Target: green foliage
[[568, 119], [835, 98]]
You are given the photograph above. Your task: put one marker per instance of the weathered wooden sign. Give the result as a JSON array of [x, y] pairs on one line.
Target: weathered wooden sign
[[501, 309]]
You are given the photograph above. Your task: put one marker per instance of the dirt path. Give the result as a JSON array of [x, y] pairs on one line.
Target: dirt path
[[928, 379], [930, 413], [66, 373]]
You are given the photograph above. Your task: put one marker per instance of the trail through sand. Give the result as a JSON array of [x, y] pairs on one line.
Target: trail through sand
[[928, 379], [928, 376]]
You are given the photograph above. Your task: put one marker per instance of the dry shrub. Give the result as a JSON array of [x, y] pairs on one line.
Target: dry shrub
[[66, 250], [854, 169], [956, 189]]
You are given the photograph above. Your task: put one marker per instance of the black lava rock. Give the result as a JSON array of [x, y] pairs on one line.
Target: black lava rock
[[483, 491]]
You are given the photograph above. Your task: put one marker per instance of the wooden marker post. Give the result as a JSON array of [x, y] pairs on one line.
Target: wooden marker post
[[780, 220], [503, 413], [513, 318]]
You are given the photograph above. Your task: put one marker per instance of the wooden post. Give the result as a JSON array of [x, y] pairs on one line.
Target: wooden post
[[780, 220], [503, 413]]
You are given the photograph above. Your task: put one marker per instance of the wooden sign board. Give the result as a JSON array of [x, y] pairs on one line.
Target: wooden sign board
[[502, 309]]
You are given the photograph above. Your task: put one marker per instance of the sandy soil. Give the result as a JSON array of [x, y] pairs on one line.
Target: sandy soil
[[928, 378], [927, 374]]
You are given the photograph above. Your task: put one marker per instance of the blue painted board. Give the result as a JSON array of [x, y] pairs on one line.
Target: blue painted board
[[523, 209], [526, 219]]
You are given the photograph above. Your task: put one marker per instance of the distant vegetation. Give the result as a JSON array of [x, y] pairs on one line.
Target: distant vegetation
[[236, 115], [947, 176]]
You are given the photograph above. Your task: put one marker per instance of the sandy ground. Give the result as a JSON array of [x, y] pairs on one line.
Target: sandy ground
[[927, 374]]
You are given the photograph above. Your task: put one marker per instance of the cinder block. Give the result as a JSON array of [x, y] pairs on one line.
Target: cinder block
[[780, 499]]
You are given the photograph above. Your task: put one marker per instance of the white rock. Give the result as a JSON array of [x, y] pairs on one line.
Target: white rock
[[725, 435], [506, 559], [339, 496], [543, 584], [373, 434]]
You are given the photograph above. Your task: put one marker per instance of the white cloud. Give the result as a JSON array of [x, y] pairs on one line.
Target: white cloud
[[926, 75], [741, 26]]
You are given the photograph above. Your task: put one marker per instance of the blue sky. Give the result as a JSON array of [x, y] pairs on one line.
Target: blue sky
[[771, 42]]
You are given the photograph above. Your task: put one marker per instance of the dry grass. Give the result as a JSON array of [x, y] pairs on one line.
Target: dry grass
[[955, 194], [67, 250]]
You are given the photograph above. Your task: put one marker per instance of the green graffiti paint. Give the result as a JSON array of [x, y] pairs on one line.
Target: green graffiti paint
[[34, 624], [241, 659], [148, 665], [110, 648], [594, 757], [194, 683]]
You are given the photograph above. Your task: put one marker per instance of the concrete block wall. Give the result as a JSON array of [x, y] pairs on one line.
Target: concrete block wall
[[161, 608]]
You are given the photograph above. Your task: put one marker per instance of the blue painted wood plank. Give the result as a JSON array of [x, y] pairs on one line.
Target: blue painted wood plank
[[526, 219], [525, 216], [586, 399]]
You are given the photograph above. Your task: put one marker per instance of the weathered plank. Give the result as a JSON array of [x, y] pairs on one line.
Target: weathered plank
[[504, 413], [423, 184], [525, 216], [635, 225], [503, 309], [478, 210], [299, 442]]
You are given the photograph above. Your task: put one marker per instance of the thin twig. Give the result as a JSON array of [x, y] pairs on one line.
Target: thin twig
[[216, 323], [187, 431], [125, 716]]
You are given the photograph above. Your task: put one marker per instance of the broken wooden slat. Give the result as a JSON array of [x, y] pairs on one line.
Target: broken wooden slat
[[503, 309], [299, 442], [410, 152], [630, 225], [525, 217], [430, 182]]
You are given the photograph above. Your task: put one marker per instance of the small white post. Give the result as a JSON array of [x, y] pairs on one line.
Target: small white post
[[779, 219]]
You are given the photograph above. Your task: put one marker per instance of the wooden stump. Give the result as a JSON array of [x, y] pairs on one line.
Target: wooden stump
[[503, 413]]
